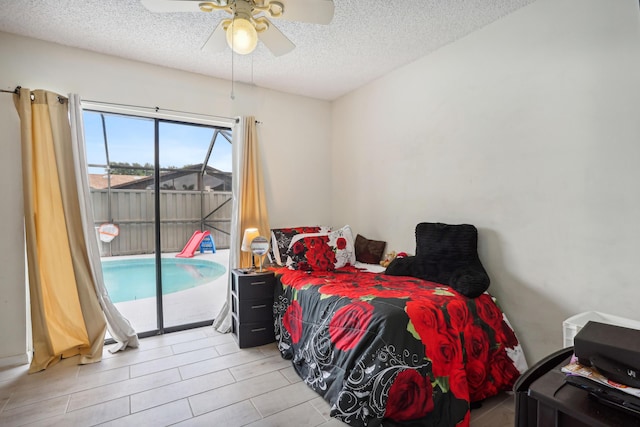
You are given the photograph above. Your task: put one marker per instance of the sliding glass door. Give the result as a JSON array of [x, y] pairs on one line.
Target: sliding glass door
[[195, 185], [165, 186]]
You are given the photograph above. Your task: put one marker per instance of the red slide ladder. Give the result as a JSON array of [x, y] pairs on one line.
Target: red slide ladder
[[193, 244]]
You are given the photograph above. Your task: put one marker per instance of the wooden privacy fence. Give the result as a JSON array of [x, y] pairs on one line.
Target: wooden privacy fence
[[181, 213]]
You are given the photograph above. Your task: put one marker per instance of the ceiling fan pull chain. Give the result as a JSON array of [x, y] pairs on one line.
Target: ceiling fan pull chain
[[233, 96]]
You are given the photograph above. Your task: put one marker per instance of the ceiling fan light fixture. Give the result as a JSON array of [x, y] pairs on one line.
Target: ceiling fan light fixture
[[242, 36]]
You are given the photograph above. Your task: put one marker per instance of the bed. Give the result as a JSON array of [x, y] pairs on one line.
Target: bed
[[393, 350], [390, 347]]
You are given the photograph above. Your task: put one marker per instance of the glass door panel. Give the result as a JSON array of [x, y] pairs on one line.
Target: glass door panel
[[120, 155], [190, 273]]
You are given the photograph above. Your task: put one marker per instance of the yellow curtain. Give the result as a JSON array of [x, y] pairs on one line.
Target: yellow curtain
[[252, 207], [249, 204], [66, 317]]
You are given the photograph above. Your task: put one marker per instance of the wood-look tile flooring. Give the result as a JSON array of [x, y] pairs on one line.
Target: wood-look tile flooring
[[192, 378]]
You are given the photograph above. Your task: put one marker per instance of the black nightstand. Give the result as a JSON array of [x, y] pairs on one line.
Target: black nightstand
[[252, 307]]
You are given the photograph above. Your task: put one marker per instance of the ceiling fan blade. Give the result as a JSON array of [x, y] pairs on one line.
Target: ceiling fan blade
[[275, 41], [217, 41], [312, 11], [172, 5]]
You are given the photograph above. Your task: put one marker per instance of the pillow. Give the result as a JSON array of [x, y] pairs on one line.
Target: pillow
[[446, 254], [281, 239], [311, 252], [321, 251], [369, 251], [342, 241]]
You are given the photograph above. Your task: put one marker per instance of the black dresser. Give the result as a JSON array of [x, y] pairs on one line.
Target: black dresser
[[252, 307]]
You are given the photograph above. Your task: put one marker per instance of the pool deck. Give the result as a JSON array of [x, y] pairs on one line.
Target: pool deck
[[188, 306]]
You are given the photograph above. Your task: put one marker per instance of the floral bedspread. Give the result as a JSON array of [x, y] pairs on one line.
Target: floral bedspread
[[389, 350]]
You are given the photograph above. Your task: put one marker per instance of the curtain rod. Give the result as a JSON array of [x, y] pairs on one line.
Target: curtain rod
[[16, 91], [157, 109]]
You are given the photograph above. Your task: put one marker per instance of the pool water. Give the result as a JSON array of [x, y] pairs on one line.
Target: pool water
[[133, 279]]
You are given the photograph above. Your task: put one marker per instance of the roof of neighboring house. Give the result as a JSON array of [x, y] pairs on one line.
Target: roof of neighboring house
[[143, 181], [99, 180]]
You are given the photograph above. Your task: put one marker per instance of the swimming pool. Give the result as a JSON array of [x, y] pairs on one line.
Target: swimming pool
[[133, 279]]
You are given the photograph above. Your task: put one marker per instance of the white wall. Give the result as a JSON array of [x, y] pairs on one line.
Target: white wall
[[292, 128], [528, 129], [13, 307]]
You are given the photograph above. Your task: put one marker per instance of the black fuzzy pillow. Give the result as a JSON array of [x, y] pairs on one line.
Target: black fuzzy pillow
[[446, 254]]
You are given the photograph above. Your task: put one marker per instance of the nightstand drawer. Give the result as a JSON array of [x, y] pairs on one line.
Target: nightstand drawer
[[255, 310], [254, 287], [252, 334]]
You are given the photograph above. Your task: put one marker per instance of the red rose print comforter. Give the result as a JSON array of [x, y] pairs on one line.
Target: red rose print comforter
[[389, 350]]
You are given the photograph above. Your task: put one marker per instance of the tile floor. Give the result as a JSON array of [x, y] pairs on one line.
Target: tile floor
[[191, 378]]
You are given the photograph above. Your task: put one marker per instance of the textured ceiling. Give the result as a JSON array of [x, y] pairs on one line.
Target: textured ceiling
[[365, 40]]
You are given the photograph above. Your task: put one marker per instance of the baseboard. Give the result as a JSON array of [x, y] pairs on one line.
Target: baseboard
[[21, 359]]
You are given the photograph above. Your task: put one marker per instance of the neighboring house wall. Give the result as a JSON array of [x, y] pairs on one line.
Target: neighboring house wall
[[293, 135], [528, 129]]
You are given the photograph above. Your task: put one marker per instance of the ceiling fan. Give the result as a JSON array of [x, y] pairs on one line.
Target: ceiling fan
[[248, 20]]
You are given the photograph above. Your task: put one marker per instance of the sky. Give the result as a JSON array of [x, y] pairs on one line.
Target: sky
[[130, 140]]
